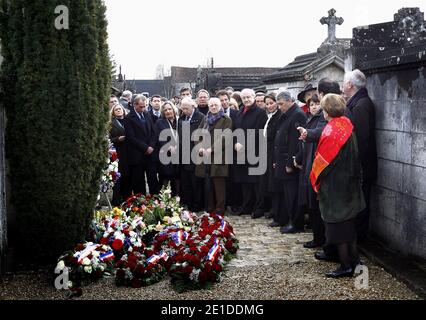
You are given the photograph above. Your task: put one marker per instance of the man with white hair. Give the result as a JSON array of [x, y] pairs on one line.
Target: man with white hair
[[125, 99], [250, 117], [362, 109], [190, 185]]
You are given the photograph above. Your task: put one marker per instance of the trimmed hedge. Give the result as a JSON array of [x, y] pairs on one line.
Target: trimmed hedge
[[55, 87]]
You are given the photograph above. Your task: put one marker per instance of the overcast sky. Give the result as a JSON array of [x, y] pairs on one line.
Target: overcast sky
[[237, 33]]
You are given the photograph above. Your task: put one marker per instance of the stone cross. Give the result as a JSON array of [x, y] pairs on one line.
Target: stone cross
[[331, 21]]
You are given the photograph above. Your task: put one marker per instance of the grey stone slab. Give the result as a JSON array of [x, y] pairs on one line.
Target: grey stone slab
[[383, 204], [418, 182], [404, 147], [389, 174], [418, 124], [386, 142], [419, 149]]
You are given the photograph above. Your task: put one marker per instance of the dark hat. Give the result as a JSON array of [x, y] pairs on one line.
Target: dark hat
[[301, 95]]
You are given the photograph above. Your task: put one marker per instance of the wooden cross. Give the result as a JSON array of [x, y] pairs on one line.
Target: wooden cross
[[331, 21]]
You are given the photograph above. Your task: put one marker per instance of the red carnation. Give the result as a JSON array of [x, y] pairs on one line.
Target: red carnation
[[117, 244], [135, 283], [212, 277], [205, 249], [104, 241], [202, 277], [188, 269], [217, 267], [131, 265], [120, 274], [208, 267]]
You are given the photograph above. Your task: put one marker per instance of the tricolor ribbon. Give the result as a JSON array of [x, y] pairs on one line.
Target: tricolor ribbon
[[179, 236], [164, 256], [223, 225], [86, 252], [108, 256], [153, 259], [214, 251]]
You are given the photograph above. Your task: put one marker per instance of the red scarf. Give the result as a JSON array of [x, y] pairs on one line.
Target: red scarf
[[334, 136]]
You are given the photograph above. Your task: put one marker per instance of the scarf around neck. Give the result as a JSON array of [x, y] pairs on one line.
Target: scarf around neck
[[213, 118], [334, 136]]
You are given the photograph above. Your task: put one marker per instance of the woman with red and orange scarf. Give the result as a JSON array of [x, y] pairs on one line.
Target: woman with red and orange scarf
[[336, 177]]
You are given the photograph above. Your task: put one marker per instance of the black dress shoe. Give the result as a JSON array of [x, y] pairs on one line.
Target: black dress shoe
[[257, 214], [320, 255], [355, 264], [312, 244], [341, 272], [269, 215], [274, 224], [290, 229]]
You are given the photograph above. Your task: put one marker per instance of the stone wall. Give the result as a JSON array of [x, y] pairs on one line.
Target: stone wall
[[393, 56], [3, 215]]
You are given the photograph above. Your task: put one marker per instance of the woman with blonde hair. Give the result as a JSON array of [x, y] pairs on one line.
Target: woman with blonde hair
[[167, 124], [117, 135], [336, 177]]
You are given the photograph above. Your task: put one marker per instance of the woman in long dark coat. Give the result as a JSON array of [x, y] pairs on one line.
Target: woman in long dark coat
[[168, 173], [215, 174], [117, 135], [304, 159], [336, 177]]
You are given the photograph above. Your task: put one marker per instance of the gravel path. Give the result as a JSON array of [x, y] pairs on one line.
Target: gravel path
[[269, 266]]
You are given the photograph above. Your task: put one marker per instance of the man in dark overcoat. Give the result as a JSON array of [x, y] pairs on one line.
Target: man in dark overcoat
[[285, 202], [363, 118], [139, 131], [250, 117]]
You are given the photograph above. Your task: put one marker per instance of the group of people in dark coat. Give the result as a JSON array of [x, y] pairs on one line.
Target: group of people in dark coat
[[283, 136]]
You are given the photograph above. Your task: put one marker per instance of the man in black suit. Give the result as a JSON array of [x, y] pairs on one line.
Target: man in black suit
[[155, 107], [224, 100], [249, 118], [286, 208], [140, 138], [191, 186]]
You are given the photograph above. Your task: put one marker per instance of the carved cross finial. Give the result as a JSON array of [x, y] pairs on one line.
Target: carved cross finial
[[331, 21]]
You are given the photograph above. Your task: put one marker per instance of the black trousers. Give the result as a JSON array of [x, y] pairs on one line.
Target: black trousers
[[137, 178], [192, 189], [318, 228], [122, 190], [285, 204], [363, 219], [291, 197], [264, 202], [250, 197], [152, 176], [217, 195]]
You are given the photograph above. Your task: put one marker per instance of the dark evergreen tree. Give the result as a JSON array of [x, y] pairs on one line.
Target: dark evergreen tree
[[55, 87]]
